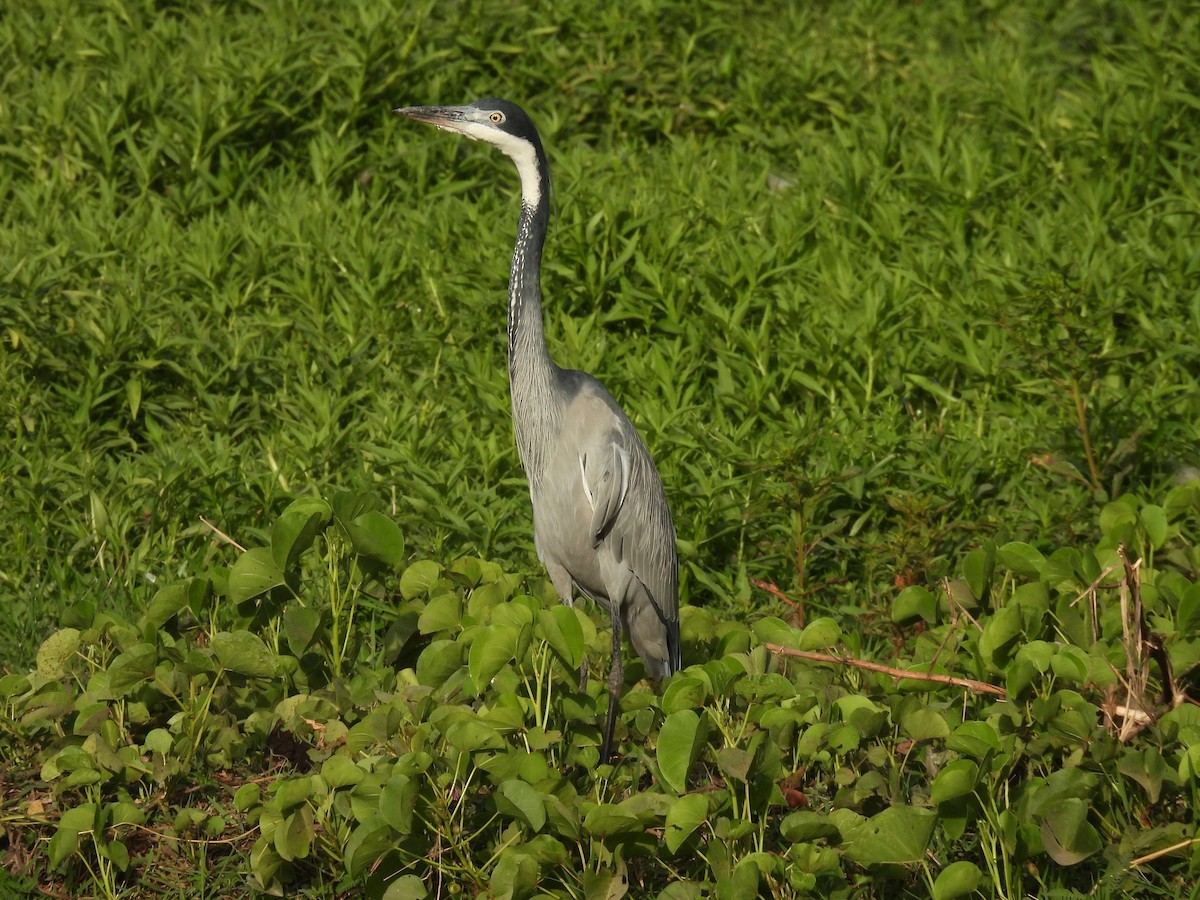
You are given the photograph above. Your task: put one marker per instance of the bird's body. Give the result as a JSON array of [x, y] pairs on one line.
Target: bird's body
[[595, 499], [601, 519]]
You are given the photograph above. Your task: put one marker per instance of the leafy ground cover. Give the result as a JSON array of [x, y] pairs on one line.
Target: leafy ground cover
[[903, 297]]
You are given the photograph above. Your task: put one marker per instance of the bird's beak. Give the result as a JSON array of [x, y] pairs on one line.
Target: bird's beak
[[448, 118]]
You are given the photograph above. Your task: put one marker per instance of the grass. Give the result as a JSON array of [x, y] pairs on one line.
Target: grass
[[880, 283]]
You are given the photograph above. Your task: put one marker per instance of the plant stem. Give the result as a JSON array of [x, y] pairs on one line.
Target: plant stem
[[1081, 424]]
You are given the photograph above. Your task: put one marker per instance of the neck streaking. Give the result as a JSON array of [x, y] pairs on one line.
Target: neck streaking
[[529, 366], [525, 334]]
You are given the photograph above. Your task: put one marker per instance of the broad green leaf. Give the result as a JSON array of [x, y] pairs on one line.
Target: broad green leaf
[[804, 827], [47, 706], [1038, 654], [560, 628], [81, 614], [515, 875], [679, 742], [131, 669], [685, 816], [438, 662], [300, 626], [1068, 836], [159, 740], [547, 850], [296, 529], [13, 684], [116, 851], [563, 818], [291, 791], [366, 844], [406, 887], [604, 886], [294, 835], [56, 652], [247, 796], [442, 613], [418, 578], [684, 692], [1187, 618], [339, 771], [1021, 559], [899, 834], [843, 738], [1148, 769], [167, 602], [735, 763], [517, 800], [397, 801], [74, 821], [1119, 512], [1189, 764], [493, 647], [682, 890], [1033, 599], [264, 864], [377, 537], [254, 573], [607, 819], [743, 881], [999, 634], [771, 630], [202, 589], [956, 779], [244, 653], [959, 879], [469, 735], [490, 600], [1064, 784], [1070, 664], [977, 569], [349, 505], [862, 713], [770, 687], [923, 723], [820, 634], [913, 603], [1061, 569], [476, 571], [125, 812]]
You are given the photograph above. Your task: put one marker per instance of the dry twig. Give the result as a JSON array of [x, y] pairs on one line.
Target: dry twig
[[981, 686], [222, 535]]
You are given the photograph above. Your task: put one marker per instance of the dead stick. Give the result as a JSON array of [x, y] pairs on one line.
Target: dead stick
[[771, 588], [222, 535], [1150, 857], [981, 686]]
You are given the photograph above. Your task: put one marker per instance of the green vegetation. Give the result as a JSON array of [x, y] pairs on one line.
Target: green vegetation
[[903, 298]]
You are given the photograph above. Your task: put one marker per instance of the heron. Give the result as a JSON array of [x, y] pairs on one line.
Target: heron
[[600, 516]]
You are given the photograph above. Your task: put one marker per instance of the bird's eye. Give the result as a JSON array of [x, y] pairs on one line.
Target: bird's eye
[[497, 118]]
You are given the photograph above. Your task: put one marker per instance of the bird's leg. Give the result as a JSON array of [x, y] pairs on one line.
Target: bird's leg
[[616, 678]]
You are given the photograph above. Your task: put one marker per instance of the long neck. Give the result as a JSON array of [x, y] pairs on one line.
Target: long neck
[[530, 368], [526, 335]]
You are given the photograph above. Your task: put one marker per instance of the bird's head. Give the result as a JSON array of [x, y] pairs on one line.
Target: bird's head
[[501, 124], [493, 121]]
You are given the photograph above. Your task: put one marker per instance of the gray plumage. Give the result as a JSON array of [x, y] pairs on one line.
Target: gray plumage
[[600, 516]]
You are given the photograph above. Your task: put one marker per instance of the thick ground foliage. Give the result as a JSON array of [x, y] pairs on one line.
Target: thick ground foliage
[[904, 298]]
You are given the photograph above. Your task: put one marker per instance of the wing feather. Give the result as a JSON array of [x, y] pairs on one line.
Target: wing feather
[[606, 483]]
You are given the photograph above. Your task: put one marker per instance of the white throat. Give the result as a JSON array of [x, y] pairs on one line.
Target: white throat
[[520, 152]]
